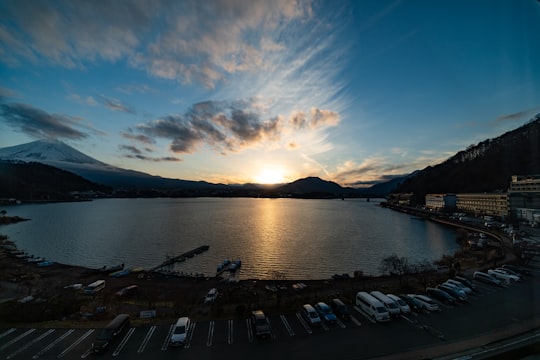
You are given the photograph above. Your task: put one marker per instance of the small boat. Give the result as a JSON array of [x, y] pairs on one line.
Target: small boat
[[112, 268], [223, 266], [35, 260], [45, 263], [235, 265], [120, 273]]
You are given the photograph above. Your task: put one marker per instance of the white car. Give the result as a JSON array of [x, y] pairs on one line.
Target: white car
[[511, 272], [405, 309], [426, 302], [487, 278], [503, 276], [211, 296], [180, 331]]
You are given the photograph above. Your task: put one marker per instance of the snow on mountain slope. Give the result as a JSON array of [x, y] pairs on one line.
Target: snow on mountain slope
[[47, 151]]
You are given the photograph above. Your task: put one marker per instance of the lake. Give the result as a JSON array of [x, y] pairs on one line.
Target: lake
[[291, 238]]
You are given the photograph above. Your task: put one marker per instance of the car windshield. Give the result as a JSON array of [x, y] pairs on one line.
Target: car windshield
[[180, 329], [313, 314], [381, 309], [260, 322]]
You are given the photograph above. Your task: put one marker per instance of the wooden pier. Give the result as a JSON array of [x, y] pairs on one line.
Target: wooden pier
[[182, 257]]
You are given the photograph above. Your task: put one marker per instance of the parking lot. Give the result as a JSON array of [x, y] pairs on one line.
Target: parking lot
[[291, 337]]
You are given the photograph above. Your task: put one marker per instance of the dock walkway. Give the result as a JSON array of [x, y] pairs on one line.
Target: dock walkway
[[181, 257]]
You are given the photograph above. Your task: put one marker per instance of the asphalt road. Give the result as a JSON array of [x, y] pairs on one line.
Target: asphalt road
[[491, 310]]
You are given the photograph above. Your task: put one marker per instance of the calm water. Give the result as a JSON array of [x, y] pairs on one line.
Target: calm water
[[303, 239]]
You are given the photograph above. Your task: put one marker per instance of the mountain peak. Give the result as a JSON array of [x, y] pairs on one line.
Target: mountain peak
[[47, 151]]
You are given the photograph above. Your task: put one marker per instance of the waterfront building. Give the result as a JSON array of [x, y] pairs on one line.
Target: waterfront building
[[441, 201], [479, 204], [524, 197], [402, 199]]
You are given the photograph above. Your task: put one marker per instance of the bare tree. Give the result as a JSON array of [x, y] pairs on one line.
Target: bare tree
[[398, 266]]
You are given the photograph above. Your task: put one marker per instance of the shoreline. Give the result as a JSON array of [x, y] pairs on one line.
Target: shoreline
[[165, 292]]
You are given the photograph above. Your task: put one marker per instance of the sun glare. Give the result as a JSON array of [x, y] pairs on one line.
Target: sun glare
[[270, 176]]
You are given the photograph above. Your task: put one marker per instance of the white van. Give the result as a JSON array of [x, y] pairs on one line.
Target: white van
[[372, 306], [94, 287], [390, 304]]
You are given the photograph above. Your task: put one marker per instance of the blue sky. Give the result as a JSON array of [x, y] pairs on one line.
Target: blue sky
[[268, 91]]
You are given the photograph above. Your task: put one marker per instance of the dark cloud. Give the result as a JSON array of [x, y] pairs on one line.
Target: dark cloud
[[40, 124], [378, 180], [136, 153], [317, 119], [130, 148], [138, 137], [226, 126]]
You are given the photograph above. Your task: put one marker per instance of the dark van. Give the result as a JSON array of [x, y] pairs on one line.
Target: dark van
[[340, 309], [116, 327]]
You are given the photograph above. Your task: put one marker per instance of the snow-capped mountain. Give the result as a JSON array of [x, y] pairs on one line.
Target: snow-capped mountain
[[47, 151], [60, 155]]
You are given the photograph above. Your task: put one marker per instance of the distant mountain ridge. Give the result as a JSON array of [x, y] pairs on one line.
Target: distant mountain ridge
[[485, 167], [60, 155], [35, 181]]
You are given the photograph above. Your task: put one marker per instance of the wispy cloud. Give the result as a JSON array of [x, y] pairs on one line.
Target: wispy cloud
[[6, 93], [116, 105], [517, 116], [40, 124], [89, 100], [136, 88], [185, 41]]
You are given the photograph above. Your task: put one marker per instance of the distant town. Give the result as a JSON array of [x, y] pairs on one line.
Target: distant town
[[521, 202]]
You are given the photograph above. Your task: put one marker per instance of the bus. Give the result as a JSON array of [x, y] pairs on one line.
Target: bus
[[94, 287]]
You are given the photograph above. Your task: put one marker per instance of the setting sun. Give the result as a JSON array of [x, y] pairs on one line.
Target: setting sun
[[270, 176]]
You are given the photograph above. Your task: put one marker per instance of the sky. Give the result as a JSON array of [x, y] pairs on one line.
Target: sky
[[235, 91]]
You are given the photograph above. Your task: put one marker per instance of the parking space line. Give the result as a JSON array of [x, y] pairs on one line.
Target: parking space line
[[302, 321], [407, 319], [191, 330], [287, 325], [271, 330], [146, 338], [230, 332], [22, 348], [123, 342], [210, 333], [249, 330], [51, 345], [75, 343], [324, 326], [364, 314], [340, 323], [17, 339], [356, 321], [167, 339], [7, 332]]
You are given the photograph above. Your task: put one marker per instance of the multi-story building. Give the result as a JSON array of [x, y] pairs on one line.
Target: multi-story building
[[524, 197], [494, 204]]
